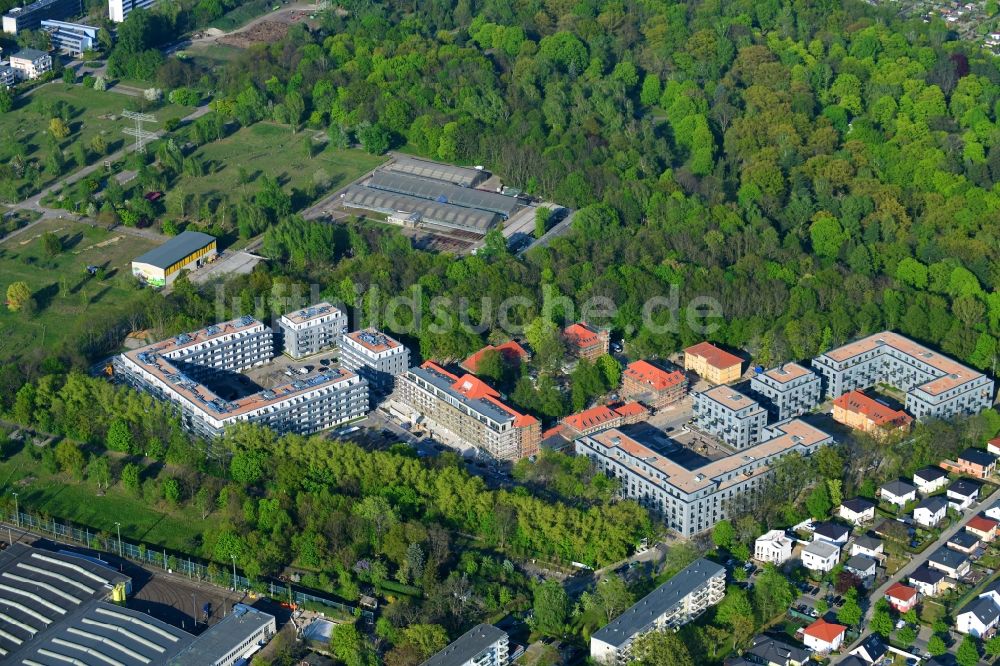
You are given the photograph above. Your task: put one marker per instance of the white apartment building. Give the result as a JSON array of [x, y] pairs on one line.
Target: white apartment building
[[820, 556], [7, 75], [483, 645], [692, 495], [311, 330], [178, 369], [118, 10], [374, 356], [787, 391], [681, 599], [774, 547], [935, 385], [729, 415], [30, 63]]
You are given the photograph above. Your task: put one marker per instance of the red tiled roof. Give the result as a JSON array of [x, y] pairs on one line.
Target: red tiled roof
[[901, 592], [589, 418], [825, 631], [718, 358], [654, 377], [982, 523], [856, 401], [474, 388], [630, 409], [510, 352], [580, 335], [553, 431]]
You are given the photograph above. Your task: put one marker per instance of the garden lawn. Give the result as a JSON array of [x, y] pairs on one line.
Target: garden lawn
[[273, 150], [66, 296], [65, 499], [91, 113]]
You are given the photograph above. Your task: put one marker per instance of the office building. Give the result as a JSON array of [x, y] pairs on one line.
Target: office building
[[180, 368], [483, 645], [689, 492], [118, 10], [185, 251], [935, 385], [856, 410], [376, 357], [653, 386], [684, 597], [713, 364], [586, 342], [30, 63], [70, 38], [30, 17], [787, 391], [311, 330], [464, 412], [730, 416], [234, 640]]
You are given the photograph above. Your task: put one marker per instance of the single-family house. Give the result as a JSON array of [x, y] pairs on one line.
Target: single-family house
[[983, 527], [978, 618], [774, 547], [927, 581], [871, 650], [994, 511], [931, 511], [823, 637], [962, 494], [902, 597], [857, 510], [869, 546], [832, 532], [898, 492], [852, 660], [972, 462], [930, 479], [949, 562], [820, 556], [993, 592], [993, 446], [776, 652], [861, 566], [964, 542]]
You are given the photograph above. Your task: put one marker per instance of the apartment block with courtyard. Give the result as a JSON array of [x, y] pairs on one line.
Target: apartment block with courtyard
[[729, 415], [464, 412], [935, 385], [689, 492], [787, 391], [311, 330], [185, 368]]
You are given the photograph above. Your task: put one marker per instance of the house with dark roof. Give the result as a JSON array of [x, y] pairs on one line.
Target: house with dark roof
[[857, 510], [927, 581], [871, 650], [870, 546], [931, 511], [776, 652], [962, 494], [978, 618], [929, 479], [898, 492], [973, 462], [949, 562], [834, 533], [861, 566], [964, 542]]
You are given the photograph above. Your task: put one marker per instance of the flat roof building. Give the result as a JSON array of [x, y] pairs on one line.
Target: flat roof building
[[118, 10], [420, 212], [935, 385], [376, 357], [311, 330], [434, 190], [70, 38], [447, 173], [30, 16], [730, 416], [684, 597], [787, 391], [483, 645], [233, 640], [177, 369], [187, 250], [713, 364], [689, 492], [465, 412]]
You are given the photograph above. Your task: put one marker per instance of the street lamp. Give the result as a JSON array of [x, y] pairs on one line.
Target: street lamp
[[17, 513], [119, 526]]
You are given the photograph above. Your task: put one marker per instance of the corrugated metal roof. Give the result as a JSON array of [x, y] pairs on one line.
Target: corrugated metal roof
[[443, 214], [448, 173], [175, 249], [444, 192]]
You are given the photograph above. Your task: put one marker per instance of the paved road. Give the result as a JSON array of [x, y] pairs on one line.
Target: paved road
[[913, 564]]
